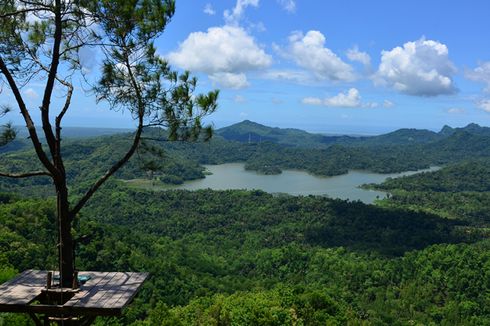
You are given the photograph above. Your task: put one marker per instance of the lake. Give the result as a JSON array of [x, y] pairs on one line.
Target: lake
[[293, 182]]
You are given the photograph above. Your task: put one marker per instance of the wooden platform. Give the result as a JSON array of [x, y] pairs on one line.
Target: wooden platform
[[104, 294]]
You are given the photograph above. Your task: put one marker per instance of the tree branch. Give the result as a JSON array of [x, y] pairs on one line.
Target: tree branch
[[21, 11], [28, 120], [48, 91], [25, 175], [109, 173], [130, 152], [62, 113]]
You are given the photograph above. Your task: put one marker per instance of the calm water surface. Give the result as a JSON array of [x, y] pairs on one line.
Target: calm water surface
[[234, 176]]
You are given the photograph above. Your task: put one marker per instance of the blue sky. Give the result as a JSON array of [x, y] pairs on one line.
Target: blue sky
[[328, 66]]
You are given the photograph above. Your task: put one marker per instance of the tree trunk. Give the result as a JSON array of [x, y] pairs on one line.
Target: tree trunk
[[65, 245]]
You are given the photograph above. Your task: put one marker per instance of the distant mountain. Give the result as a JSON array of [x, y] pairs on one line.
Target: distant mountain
[[404, 137], [251, 132]]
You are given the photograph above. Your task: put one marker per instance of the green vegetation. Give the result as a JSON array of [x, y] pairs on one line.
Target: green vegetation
[[175, 163], [246, 257], [421, 256], [459, 191]]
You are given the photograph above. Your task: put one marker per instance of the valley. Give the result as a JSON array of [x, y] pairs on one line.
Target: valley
[[252, 257]]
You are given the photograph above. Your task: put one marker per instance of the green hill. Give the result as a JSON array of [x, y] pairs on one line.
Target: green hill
[[252, 132]]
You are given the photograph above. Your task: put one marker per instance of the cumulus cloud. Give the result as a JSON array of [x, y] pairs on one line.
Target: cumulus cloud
[[208, 10], [481, 74], [230, 80], [355, 55], [484, 105], [233, 17], [288, 5], [420, 68], [309, 52], [31, 94], [225, 53], [349, 99]]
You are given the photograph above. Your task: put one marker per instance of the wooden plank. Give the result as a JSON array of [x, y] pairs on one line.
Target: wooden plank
[[15, 280], [85, 289], [129, 290], [103, 294], [109, 290], [22, 289], [95, 292]]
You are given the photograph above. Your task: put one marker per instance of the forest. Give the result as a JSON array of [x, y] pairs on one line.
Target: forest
[[421, 256]]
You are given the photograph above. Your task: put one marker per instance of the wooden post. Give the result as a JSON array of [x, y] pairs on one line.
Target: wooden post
[[49, 280], [75, 280]]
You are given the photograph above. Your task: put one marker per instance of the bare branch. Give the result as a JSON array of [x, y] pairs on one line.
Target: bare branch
[[27, 118], [19, 12], [108, 174], [25, 175], [62, 113], [48, 131]]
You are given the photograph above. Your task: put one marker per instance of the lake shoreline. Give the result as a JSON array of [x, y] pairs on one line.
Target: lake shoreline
[[291, 182]]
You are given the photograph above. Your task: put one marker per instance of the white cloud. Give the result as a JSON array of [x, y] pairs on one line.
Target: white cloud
[[388, 104], [456, 110], [208, 9], [312, 101], [288, 5], [370, 105], [484, 105], [355, 55], [230, 80], [309, 52], [259, 27], [31, 94], [225, 53], [481, 74], [289, 75], [349, 99], [233, 17], [239, 99], [420, 68]]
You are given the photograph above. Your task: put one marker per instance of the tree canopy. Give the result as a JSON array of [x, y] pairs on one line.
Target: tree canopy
[[42, 40]]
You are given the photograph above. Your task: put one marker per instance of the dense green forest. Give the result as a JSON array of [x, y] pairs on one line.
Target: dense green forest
[[459, 191], [237, 257], [421, 256]]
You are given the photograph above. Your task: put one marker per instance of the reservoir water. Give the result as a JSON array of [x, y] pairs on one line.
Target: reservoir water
[[293, 182]]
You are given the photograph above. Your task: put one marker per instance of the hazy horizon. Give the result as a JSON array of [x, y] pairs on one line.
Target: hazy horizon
[[326, 130]]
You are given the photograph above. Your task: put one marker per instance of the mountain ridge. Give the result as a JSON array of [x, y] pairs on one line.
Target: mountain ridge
[[252, 132]]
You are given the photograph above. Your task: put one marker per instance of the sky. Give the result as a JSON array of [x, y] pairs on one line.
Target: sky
[[337, 66]]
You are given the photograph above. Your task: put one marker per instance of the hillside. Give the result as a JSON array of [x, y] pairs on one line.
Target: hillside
[[241, 255], [252, 132], [162, 161], [251, 258]]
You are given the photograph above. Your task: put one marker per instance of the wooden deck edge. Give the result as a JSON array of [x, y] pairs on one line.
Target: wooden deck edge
[[61, 310]]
